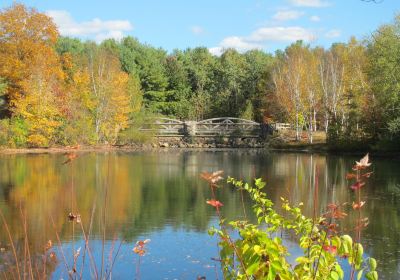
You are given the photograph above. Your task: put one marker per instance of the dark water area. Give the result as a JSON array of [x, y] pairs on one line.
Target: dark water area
[[160, 196]]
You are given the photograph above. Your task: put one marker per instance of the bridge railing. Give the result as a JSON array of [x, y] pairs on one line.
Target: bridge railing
[[164, 127], [206, 128], [227, 126]]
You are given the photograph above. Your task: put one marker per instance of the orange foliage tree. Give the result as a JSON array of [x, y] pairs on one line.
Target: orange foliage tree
[[31, 68]]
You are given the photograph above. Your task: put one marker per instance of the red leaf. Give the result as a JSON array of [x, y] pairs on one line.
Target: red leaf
[[332, 206], [212, 178], [350, 176], [140, 247], [367, 175], [214, 203], [330, 249], [358, 205], [357, 185], [337, 214]]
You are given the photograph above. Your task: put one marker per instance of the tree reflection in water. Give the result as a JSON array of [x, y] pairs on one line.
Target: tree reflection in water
[[159, 195]]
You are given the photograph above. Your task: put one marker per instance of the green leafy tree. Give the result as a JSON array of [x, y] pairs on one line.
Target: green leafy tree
[[258, 76], [230, 77], [200, 65], [384, 73]]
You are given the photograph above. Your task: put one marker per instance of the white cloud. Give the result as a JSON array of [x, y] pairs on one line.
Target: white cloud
[[334, 33], [310, 3], [262, 36], [197, 30], [94, 29], [287, 15], [238, 43], [278, 33], [315, 18], [216, 51]]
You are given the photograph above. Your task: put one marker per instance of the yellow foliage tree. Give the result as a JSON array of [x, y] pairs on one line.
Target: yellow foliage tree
[[110, 90], [32, 70], [118, 108], [27, 38]]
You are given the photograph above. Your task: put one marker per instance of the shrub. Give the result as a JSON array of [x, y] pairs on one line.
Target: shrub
[[259, 252], [18, 132], [37, 141], [133, 135], [4, 127]]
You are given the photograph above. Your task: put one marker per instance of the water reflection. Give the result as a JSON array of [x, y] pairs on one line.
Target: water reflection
[[159, 195]]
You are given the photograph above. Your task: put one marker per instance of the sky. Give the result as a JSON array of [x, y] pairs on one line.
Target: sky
[[218, 24]]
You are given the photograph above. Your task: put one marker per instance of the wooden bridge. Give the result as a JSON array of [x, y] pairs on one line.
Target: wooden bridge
[[233, 127]]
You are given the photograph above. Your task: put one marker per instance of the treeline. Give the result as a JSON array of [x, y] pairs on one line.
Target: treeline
[[351, 90], [62, 91], [59, 90]]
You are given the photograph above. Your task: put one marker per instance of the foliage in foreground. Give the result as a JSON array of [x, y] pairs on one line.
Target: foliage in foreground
[[260, 253]]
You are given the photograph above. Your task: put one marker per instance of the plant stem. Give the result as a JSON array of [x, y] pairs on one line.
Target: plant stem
[[11, 242], [26, 241], [229, 237], [358, 229], [113, 261], [244, 208], [60, 247], [319, 256], [104, 217]]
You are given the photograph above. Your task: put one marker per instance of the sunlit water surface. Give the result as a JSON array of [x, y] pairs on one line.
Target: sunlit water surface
[[159, 196]]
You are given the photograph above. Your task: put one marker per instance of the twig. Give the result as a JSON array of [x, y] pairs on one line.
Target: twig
[[115, 257], [244, 208], [26, 241], [12, 243], [89, 253], [320, 253], [87, 243], [60, 247], [104, 217], [229, 237]]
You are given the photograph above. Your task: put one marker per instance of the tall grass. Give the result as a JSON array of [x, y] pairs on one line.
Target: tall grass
[[25, 266]]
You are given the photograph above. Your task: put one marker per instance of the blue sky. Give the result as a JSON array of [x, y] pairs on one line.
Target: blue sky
[[218, 24]]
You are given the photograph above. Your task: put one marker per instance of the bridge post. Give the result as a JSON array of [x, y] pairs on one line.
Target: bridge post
[[190, 128]]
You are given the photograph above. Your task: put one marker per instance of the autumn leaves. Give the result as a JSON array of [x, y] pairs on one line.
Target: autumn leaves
[[54, 96]]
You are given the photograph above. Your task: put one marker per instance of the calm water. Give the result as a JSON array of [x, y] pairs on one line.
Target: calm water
[[160, 196]]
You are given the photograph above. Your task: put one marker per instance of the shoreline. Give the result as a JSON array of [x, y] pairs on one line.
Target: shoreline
[[61, 150], [319, 148]]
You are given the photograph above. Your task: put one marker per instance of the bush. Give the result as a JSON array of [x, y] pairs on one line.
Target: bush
[[4, 127], [37, 141], [79, 131], [18, 133], [259, 252], [133, 135], [347, 139]]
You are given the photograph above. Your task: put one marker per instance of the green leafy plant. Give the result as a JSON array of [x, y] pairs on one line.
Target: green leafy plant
[[260, 253]]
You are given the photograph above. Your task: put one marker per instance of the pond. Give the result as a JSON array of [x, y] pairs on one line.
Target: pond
[[126, 197]]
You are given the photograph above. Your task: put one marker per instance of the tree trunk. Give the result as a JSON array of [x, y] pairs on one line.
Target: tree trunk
[[310, 128], [315, 120], [326, 122], [297, 128]]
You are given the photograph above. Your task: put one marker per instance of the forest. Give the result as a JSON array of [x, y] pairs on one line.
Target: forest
[[59, 91]]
